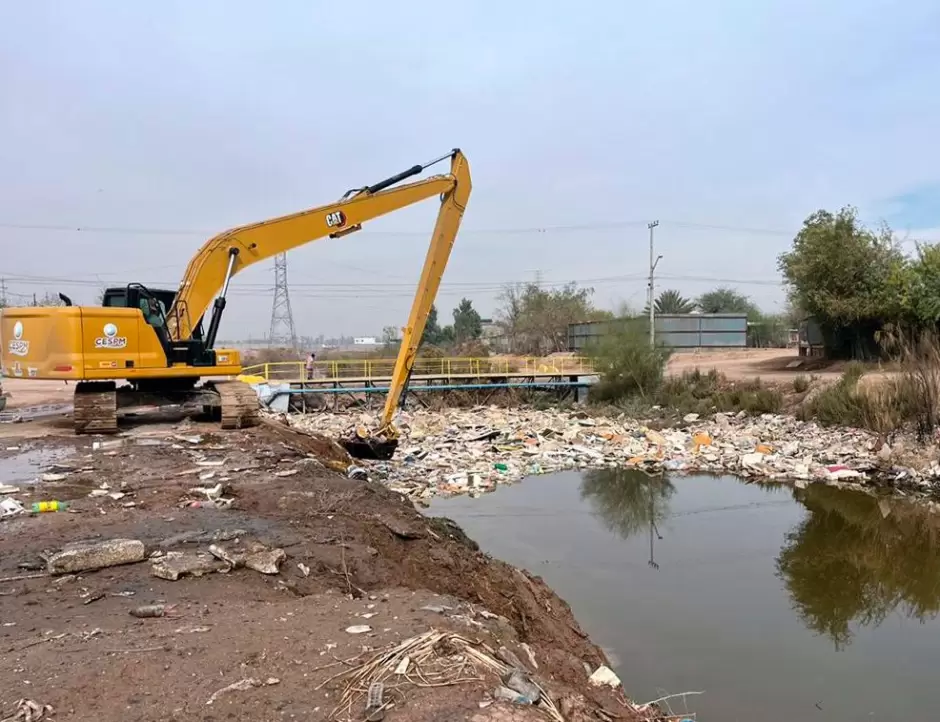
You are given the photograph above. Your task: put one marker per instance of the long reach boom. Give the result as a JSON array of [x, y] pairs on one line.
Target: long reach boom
[[220, 258]]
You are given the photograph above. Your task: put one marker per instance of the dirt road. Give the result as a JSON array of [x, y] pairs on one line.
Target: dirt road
[[769, 364], [357, 555]]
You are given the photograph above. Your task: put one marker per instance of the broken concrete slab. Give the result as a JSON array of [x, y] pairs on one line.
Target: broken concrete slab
[[88, 556], [251, 554], [266, 562], [174, 565]]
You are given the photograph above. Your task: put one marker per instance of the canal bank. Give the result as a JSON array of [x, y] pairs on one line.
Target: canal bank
[[778, 603]]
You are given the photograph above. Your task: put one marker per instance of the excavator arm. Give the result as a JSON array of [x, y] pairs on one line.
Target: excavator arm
[[210, 271], [453, 205]]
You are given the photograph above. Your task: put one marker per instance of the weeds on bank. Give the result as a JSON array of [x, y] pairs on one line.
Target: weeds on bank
[[910, 398], [710, 392], [632, 376]]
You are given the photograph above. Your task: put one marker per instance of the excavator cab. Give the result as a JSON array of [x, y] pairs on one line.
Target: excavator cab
[[135, 295], [153, 303]]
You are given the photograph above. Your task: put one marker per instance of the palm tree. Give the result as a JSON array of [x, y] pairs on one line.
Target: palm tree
[[671, 301]]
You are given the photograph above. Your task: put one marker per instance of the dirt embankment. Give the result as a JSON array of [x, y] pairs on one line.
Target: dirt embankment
[[357, 555]]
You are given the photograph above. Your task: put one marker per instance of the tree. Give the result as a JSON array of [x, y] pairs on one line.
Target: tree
[[728, 300], [47, 299], [670, 301], [851, 279], [535, 320], [468, 326], [921, 289], [391, 337], [433, 333], [841, 271]]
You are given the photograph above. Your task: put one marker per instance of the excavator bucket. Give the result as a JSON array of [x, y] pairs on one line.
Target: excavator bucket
[[372, 449]]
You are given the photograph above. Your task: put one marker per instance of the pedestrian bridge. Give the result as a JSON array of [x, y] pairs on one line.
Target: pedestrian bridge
[[363, 378], [447, 369]]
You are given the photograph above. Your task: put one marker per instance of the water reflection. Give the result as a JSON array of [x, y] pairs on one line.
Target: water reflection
[[853, 560], [628, 501]]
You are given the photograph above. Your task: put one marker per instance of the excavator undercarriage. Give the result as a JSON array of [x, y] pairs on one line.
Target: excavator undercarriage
[[233, 403]]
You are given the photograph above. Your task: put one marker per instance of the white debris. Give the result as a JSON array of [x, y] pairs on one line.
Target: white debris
[[604, 675], [476, 450], [10, 507], [359, 629]]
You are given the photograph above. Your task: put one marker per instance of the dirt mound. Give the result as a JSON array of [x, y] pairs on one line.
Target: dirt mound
[[340, 535]]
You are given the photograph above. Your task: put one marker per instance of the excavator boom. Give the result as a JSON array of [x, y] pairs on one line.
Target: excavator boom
[[232, 251]]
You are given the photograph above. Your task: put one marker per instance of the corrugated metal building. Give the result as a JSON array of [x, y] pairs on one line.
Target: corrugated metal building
[[678, 331]]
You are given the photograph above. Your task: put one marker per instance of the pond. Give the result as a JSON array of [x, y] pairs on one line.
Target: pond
[[781, 604]]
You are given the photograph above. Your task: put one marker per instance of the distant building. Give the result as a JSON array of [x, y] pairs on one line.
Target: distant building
[[674, 330], [492, 335], [365, 341]]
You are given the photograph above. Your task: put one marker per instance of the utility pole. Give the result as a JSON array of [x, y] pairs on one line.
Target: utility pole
[[3, 292], [282, 331], [652, 296]]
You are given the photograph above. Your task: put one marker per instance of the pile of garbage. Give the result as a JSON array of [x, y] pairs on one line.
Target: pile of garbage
[[475, 450]]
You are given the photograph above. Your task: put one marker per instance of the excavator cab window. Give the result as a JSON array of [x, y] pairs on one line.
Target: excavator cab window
[[135, 295]]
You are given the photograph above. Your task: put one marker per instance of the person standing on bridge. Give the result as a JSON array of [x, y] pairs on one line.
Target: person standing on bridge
[[310, 367]]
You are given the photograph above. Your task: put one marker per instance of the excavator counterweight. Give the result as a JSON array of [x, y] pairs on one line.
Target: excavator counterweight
[[148, 346]]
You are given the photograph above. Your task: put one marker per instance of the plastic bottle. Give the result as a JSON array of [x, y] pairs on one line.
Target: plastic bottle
[[499, 466], [41, 506]]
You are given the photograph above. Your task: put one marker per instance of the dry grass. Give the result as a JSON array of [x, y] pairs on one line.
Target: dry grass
[[909, 399], [704, 393]]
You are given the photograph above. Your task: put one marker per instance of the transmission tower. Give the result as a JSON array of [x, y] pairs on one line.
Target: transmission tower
[[282, 331]]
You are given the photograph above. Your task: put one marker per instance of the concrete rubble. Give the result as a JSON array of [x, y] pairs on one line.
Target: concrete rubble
[[87, 556], [475, 450], [173, 565]]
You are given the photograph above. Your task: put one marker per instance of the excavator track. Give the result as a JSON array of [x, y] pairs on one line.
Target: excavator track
[[95, 408], [239, 404]]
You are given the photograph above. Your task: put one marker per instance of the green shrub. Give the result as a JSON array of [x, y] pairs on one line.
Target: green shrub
[[801, 384], [627, 365], [710, 392]]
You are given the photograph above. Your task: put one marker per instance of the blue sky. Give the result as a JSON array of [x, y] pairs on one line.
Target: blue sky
[[728, 121]]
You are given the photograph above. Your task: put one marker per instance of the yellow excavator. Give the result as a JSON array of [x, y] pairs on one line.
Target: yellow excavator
[[153, 340]]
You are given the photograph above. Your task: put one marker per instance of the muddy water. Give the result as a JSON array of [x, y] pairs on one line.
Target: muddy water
[[780, 604]]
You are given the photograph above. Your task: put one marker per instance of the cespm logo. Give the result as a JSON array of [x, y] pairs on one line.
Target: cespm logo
[[110, 338], [18, 347]]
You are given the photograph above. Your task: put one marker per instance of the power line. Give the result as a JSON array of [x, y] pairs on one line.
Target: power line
[[536, 229], [329, 288]]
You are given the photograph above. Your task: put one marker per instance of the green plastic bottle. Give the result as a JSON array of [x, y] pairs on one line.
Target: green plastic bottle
[[42, 506], [500, 466]]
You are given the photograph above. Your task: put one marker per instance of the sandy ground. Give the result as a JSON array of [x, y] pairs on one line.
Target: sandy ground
[[27, 392], [356, 554], [770, 364]]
